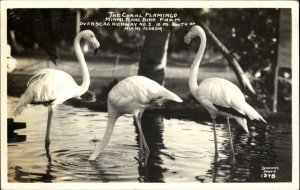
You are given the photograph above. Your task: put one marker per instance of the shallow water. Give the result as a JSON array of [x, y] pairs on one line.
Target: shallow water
[[180, 150]]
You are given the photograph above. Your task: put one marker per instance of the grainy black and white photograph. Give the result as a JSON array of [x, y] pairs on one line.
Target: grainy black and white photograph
[[163, 95]]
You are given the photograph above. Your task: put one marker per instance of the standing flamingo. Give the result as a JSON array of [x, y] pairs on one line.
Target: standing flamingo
[[51, 87], [217, 95], [132, 96]]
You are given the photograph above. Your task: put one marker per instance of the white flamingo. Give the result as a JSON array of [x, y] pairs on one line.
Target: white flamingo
[[217, 95], [51, 87], [132, 96]]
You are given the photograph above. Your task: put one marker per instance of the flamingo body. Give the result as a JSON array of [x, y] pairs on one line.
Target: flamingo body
[[222, 97], [49, 87], [132, 96], [137, 93]]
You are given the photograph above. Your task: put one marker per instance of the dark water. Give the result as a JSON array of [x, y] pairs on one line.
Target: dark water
[[181, 150]]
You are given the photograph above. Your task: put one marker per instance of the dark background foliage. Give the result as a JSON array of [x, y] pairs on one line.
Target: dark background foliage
[[250, 34]]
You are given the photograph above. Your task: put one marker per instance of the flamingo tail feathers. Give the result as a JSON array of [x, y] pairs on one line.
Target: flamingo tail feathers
[[170, 95], [24, 100], [252, 114], [243, 123]]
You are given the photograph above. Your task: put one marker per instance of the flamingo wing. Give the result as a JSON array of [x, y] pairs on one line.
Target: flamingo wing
[[131, 93], [48, 87], [217, 94], [231, 111], [220, 95], [138, 92]]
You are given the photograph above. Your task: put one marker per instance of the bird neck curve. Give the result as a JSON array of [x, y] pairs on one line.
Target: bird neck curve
[[193, 84], [111, 121], [84, 69]]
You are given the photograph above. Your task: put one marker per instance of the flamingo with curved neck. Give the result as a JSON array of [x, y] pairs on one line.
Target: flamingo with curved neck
[[217, 95], [132, 96], [51, 87]]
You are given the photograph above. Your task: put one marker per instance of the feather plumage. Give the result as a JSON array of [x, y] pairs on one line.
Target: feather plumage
[[138, 91], [222, 97], [48, 85], [132, 96]]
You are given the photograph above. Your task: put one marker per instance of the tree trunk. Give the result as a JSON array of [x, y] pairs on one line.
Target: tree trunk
[[152, 64], [153, 58]]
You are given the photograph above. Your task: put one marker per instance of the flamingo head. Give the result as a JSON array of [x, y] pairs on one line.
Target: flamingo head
[[90, 36], [194, 32]]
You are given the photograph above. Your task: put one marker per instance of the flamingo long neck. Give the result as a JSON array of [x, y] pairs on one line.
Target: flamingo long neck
[[112, 118], [84, 69], [195, 66]]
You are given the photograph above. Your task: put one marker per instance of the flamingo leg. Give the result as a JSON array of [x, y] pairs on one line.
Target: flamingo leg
[[141, 140], [47, 138], [143, 143], [230, 138], [50, 113], [215, 137]]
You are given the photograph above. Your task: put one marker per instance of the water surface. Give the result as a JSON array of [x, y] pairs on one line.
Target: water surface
[[181, 150]]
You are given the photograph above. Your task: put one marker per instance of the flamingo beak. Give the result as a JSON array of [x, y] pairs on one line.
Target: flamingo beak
[[187, 38], [96, 46]]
